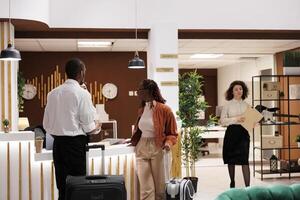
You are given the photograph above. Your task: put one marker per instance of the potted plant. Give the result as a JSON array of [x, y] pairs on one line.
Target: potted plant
[[5, 123], [21, 84], [39, 144], [190, 105], [298, 140]]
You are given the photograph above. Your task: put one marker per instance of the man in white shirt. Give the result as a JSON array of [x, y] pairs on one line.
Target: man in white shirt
[[69, 116]]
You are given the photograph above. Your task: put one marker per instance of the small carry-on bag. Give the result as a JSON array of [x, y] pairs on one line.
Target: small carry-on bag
[[97, 187], [179, 189]]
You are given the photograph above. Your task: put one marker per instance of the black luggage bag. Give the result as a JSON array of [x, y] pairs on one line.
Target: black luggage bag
[[97, 187]]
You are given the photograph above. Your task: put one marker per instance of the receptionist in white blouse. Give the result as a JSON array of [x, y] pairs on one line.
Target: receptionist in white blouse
[[236, 141]]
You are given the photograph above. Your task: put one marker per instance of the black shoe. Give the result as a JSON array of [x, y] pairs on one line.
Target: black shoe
[[232, 184]]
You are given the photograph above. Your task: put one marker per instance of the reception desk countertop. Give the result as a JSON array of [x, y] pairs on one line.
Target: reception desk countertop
[[113, 150], [16, 136]]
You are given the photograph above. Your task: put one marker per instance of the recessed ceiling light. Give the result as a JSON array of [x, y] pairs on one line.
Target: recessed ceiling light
[[206, 55], [89, 44]]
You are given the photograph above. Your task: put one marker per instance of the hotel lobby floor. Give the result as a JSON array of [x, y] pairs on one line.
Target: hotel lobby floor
[[214, 178]]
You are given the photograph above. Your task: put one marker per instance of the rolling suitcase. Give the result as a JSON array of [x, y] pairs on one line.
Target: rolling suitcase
[[178, 189], [96, 187]]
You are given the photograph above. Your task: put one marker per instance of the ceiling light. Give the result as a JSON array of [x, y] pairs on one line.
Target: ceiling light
[[136, 62], [10, 53], [95, 44], [206, 55]]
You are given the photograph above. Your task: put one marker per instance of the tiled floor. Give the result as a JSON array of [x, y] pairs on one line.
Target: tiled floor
[[214, 179]]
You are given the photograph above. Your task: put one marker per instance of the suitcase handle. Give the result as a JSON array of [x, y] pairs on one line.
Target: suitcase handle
[[96, 146], [95, 177]]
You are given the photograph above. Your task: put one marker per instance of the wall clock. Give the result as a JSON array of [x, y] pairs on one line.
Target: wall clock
[[29, 91], [109, 90]]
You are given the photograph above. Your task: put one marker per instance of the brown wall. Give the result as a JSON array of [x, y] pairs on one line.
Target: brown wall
[[103, 67], [210, 89]]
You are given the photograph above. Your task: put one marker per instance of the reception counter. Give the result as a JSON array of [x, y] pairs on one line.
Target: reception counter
[[29, 175]]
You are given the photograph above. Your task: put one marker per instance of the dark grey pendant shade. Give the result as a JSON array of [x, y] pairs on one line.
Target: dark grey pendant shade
[[10, 53], [136, 62]]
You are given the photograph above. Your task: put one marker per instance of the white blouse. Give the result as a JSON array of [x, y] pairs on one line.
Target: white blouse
[[146, 124], [231, 112]]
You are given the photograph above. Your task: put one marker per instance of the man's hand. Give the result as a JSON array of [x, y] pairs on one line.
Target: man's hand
[[167, 147], [97, 129]]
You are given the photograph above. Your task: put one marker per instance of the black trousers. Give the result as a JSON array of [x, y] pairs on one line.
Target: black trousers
[[69, 159]]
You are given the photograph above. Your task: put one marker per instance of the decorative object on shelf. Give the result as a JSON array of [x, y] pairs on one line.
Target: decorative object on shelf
[[10, 53], [23, 123], [45, 84], [5, 123], [29, 91], [298, 140], [270, 90], [101, 114], [291, 63], [110, 90], [273, 163], [271, 141], [269, 113], [294, 91], [292, 165], [39, 144], [271, 86], [136, 62], [21, 84]]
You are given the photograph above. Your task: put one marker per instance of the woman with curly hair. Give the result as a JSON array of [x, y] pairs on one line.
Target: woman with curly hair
[[155, 131], [237, 139]]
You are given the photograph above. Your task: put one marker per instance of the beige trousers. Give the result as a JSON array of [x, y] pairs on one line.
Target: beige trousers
[[150, 169]]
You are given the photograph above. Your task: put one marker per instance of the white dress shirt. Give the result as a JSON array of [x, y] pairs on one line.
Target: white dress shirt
[[231, 112], [146, 124], [69, 110]]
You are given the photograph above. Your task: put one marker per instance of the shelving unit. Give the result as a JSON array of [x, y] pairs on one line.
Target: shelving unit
[[288, 122]]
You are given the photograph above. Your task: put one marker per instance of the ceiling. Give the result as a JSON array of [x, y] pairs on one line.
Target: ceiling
[[235, 51]]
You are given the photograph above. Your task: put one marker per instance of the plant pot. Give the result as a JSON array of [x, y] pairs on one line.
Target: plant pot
[[298, 143], [38, 146], [6, 129], [194, 182]]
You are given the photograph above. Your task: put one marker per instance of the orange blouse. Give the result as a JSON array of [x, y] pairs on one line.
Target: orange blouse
[[164, 125]]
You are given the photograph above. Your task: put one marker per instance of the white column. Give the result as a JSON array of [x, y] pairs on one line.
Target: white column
[[8, 80], [163, 43]]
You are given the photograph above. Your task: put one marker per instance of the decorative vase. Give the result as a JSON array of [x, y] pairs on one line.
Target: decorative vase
[[39, 145], [101, 114], [6, 129]]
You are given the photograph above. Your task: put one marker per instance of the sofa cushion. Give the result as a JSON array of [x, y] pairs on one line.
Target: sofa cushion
[[280, 192], [296, 191], [236, 193], [258, 193], [274, 192]]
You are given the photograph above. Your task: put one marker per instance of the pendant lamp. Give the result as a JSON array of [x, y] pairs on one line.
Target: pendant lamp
[[136, 62], [10, 53]]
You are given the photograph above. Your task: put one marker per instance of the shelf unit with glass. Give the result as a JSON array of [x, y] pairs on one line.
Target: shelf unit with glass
[[282, 125]]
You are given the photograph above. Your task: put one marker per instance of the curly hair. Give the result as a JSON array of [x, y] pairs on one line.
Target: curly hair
[[153, 89], [229, 92]]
